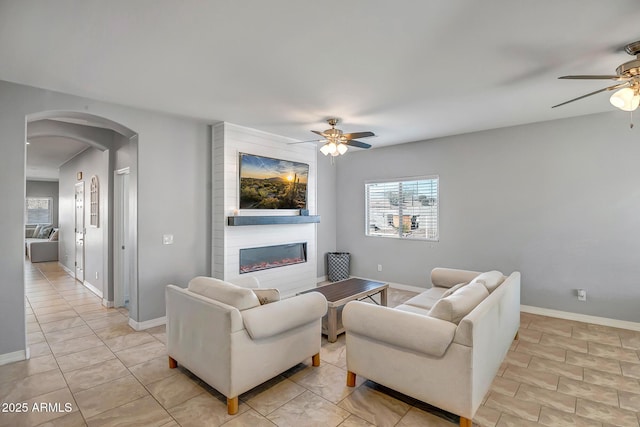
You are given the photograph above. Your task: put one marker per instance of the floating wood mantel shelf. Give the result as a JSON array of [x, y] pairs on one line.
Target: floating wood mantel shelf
[[270, 219]]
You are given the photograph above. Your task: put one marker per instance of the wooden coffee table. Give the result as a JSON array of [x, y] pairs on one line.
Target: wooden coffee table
[[340, 293]]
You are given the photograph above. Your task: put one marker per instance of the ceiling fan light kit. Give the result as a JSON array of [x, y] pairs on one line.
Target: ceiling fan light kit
[[337, 142], [627, 97]]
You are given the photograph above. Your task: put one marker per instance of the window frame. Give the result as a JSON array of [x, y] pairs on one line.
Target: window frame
[[399, 235], [26, 211]]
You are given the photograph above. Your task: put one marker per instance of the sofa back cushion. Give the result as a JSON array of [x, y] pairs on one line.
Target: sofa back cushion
[[457, 305], [491, 280], [54, 235], [225, 292]]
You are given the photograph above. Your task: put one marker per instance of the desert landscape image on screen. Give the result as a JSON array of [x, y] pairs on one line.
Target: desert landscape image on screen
[[267, 183]]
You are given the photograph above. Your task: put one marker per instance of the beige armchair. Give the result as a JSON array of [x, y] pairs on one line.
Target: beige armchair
[[221, 333]]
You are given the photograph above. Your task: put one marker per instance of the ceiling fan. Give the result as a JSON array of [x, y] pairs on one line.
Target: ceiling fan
[[337, 142], [627, 98]]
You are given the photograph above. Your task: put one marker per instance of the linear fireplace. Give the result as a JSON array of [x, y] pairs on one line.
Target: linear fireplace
[[265, 257]]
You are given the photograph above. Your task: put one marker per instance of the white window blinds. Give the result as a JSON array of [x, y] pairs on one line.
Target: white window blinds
[[38, 210], [406, 209]]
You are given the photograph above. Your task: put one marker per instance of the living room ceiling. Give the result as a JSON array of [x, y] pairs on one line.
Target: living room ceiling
[[406, 70]]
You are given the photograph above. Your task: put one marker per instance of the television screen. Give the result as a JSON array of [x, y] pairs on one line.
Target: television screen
[[267, 183]]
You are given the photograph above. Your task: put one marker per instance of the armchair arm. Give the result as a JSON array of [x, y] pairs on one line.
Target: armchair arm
[[412, 331], [272, 319]]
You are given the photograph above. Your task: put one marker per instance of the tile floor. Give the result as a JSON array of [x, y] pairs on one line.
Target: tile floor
[[559, 373]]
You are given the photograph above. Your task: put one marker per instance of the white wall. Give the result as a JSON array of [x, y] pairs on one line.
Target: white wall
[[327, 210], [228, 141], [90, 162], [558, 201], [172, 198]]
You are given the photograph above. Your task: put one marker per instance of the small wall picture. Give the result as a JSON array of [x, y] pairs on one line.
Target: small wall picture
[[267, 183]]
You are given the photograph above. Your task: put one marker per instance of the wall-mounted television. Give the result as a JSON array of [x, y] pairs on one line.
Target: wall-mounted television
[[268, 183]]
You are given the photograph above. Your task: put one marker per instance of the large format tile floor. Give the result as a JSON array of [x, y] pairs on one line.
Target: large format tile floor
[[559, 373]]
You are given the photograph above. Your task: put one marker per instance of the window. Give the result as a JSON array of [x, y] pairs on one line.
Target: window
[[406, 209], [94, 203], [38, 210]]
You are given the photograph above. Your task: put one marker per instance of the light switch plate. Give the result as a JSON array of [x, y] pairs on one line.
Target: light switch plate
[[167, 239]]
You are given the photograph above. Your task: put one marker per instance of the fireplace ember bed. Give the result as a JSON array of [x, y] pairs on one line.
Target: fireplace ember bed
[[266, 257]]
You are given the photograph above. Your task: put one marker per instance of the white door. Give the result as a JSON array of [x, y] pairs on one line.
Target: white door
[[122, 243], [79, 230]]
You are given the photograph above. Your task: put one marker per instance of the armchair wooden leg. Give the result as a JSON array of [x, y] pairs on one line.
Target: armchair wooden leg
[[315, 359], [173, 363], [232, 405], [465, 422], [351, 379]]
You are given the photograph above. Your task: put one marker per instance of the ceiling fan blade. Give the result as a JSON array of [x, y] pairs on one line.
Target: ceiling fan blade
[[593, 93], [357, 135], [319, 133], [595, 77], [354, 143]]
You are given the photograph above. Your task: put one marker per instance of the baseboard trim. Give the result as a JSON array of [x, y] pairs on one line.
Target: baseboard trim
[[64, 267], [93, 289], [108, 304], [147, 324], [15, 356], [604, 321]]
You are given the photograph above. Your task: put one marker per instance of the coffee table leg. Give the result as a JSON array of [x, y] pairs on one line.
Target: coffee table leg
[[332, 324], [383, 297]]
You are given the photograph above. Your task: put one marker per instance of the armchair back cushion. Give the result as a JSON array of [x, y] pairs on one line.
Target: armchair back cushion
[[225, 292], [246, 282], [457, 305]]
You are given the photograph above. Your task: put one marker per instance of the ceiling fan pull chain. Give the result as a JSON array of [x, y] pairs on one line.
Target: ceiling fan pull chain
[[631, 119]]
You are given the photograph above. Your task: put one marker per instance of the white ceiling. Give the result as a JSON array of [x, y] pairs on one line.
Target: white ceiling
[[407, 70], [45, 156]]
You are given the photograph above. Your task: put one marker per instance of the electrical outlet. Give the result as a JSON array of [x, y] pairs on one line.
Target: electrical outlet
[[167, 239], [96, 275], [379, 267], [582, 294]]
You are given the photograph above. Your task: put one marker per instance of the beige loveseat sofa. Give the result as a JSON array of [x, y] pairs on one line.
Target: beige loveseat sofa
[[235, 338], [444, 346]]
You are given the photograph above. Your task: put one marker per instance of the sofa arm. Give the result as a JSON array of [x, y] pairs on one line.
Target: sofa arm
[[42, 251], [272, 319], [412, 331], [448, 277]]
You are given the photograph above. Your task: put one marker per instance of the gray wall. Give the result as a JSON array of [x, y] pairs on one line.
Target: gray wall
[[90, 162], [172, 198], [326, 191], [558, 201], [45, 189]]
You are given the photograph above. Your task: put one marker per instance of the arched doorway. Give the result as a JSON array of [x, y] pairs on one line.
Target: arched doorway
[[95, 253]]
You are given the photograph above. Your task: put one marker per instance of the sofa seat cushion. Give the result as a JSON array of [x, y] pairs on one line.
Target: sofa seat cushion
[[428, 298], [413, 309], [491, 280], [225, 292], [457, 305]]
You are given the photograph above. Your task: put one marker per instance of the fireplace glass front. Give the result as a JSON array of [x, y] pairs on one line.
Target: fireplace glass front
[[265, 257]]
